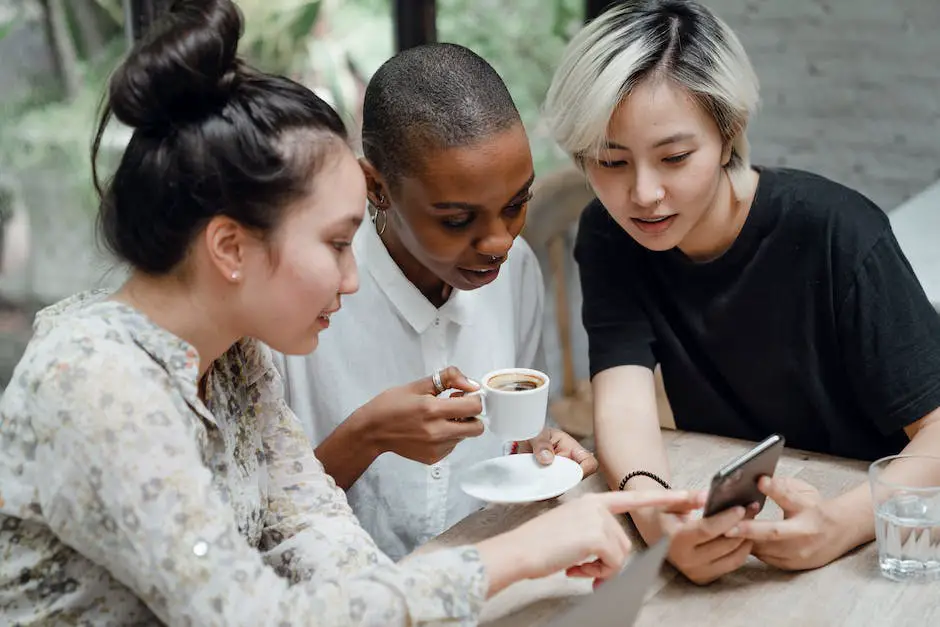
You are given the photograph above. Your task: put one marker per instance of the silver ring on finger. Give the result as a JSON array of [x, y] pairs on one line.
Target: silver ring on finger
[[436, 380]]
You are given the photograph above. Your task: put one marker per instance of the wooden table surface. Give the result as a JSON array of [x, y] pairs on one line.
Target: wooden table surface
[[850, 591]]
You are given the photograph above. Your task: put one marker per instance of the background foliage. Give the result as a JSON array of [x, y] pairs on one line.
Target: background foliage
[[333, 46]]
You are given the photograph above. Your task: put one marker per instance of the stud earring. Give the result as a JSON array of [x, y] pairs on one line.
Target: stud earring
[[236, 276]]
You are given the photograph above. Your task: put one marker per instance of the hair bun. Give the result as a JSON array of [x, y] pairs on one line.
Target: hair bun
[[184, 68]]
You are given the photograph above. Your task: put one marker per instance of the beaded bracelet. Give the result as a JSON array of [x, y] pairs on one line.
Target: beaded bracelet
[[514, 448], [644, 473]]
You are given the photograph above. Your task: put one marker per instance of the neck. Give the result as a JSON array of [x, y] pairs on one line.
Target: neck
[[429, 284], [170, 304], [717, 230]]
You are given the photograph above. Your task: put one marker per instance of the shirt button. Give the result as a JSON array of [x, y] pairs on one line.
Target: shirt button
[[201, 548], [437, 322], [436, 472]]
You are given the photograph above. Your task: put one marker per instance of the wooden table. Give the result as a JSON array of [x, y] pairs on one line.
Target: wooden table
[[847, 592]]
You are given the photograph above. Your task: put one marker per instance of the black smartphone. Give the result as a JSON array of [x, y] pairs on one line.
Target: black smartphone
[[736, 483]]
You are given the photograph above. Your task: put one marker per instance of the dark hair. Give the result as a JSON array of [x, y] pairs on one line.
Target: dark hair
[[211, 137], [431, 97]]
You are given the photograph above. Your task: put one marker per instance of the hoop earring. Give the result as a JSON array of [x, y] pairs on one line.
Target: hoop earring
[[375, 220]]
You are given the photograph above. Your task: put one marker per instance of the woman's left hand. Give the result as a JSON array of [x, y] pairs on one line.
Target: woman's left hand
[[808, 536], [553, 442]]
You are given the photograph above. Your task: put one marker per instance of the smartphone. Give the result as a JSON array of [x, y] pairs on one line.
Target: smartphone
[[736, 483]]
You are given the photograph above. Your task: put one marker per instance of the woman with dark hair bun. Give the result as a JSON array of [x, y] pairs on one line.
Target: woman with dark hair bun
[[150, 471]]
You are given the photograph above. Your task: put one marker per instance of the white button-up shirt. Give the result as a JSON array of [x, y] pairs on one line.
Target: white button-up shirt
[[389, 334]]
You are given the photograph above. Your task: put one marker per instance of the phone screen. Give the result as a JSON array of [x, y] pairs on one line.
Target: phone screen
[[736, 483]]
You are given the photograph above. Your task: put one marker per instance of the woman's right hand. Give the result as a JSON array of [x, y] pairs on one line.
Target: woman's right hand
[[582, 537], [414, 422], [699, 547]]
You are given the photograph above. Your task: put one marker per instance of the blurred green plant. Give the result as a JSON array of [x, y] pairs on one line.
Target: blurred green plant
[[331, 45], [278, 32], [48, 133], [8, 25], [523, 40], [114, 9], [45, 138]]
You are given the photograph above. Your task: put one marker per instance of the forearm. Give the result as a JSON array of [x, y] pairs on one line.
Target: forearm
[[621, 451], [629, 439], [503, 561], [639, 449], [855, 509], [348, 451]]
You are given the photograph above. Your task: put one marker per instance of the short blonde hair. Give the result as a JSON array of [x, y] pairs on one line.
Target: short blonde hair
[[676, 40]]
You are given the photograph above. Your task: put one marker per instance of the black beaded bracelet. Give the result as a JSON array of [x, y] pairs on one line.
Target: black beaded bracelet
[[644, 473]]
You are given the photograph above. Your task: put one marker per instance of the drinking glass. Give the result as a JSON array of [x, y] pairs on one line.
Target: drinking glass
[[907, 516]]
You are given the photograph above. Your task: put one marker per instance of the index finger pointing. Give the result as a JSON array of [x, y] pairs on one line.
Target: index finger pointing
[[623, 502]]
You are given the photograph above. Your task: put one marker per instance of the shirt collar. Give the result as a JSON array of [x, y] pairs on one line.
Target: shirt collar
[[176, 356], [403, 294]]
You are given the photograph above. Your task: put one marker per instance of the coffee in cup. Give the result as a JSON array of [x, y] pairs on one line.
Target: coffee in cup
[[515, 382], [515, 401]]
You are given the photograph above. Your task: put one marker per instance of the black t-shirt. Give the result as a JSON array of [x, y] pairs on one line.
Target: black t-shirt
[[811, 325]]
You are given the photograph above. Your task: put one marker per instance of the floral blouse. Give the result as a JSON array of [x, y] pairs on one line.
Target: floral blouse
[[125, 500]]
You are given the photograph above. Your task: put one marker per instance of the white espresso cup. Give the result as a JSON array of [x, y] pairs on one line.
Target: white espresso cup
[[515, 401]]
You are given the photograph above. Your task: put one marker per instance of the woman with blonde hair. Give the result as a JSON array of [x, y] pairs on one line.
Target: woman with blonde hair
[[776, 301]]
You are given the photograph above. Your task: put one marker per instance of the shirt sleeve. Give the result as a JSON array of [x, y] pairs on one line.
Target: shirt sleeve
[[619, 332], [890, 338], [127, 488], [296, 390]]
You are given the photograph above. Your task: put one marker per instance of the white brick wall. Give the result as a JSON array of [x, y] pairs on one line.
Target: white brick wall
[[850, 89]]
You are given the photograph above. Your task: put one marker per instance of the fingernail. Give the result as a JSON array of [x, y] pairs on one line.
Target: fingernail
[[545, 456], [734, 532], [473, 384]]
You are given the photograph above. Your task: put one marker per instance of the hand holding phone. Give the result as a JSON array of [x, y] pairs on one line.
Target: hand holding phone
[[736, 483]]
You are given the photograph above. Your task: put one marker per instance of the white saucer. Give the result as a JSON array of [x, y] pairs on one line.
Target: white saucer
[[520, 479]]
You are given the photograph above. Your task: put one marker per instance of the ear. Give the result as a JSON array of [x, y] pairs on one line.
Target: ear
[[737, 130], [376, 188], [726, 151], [226, 243]]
